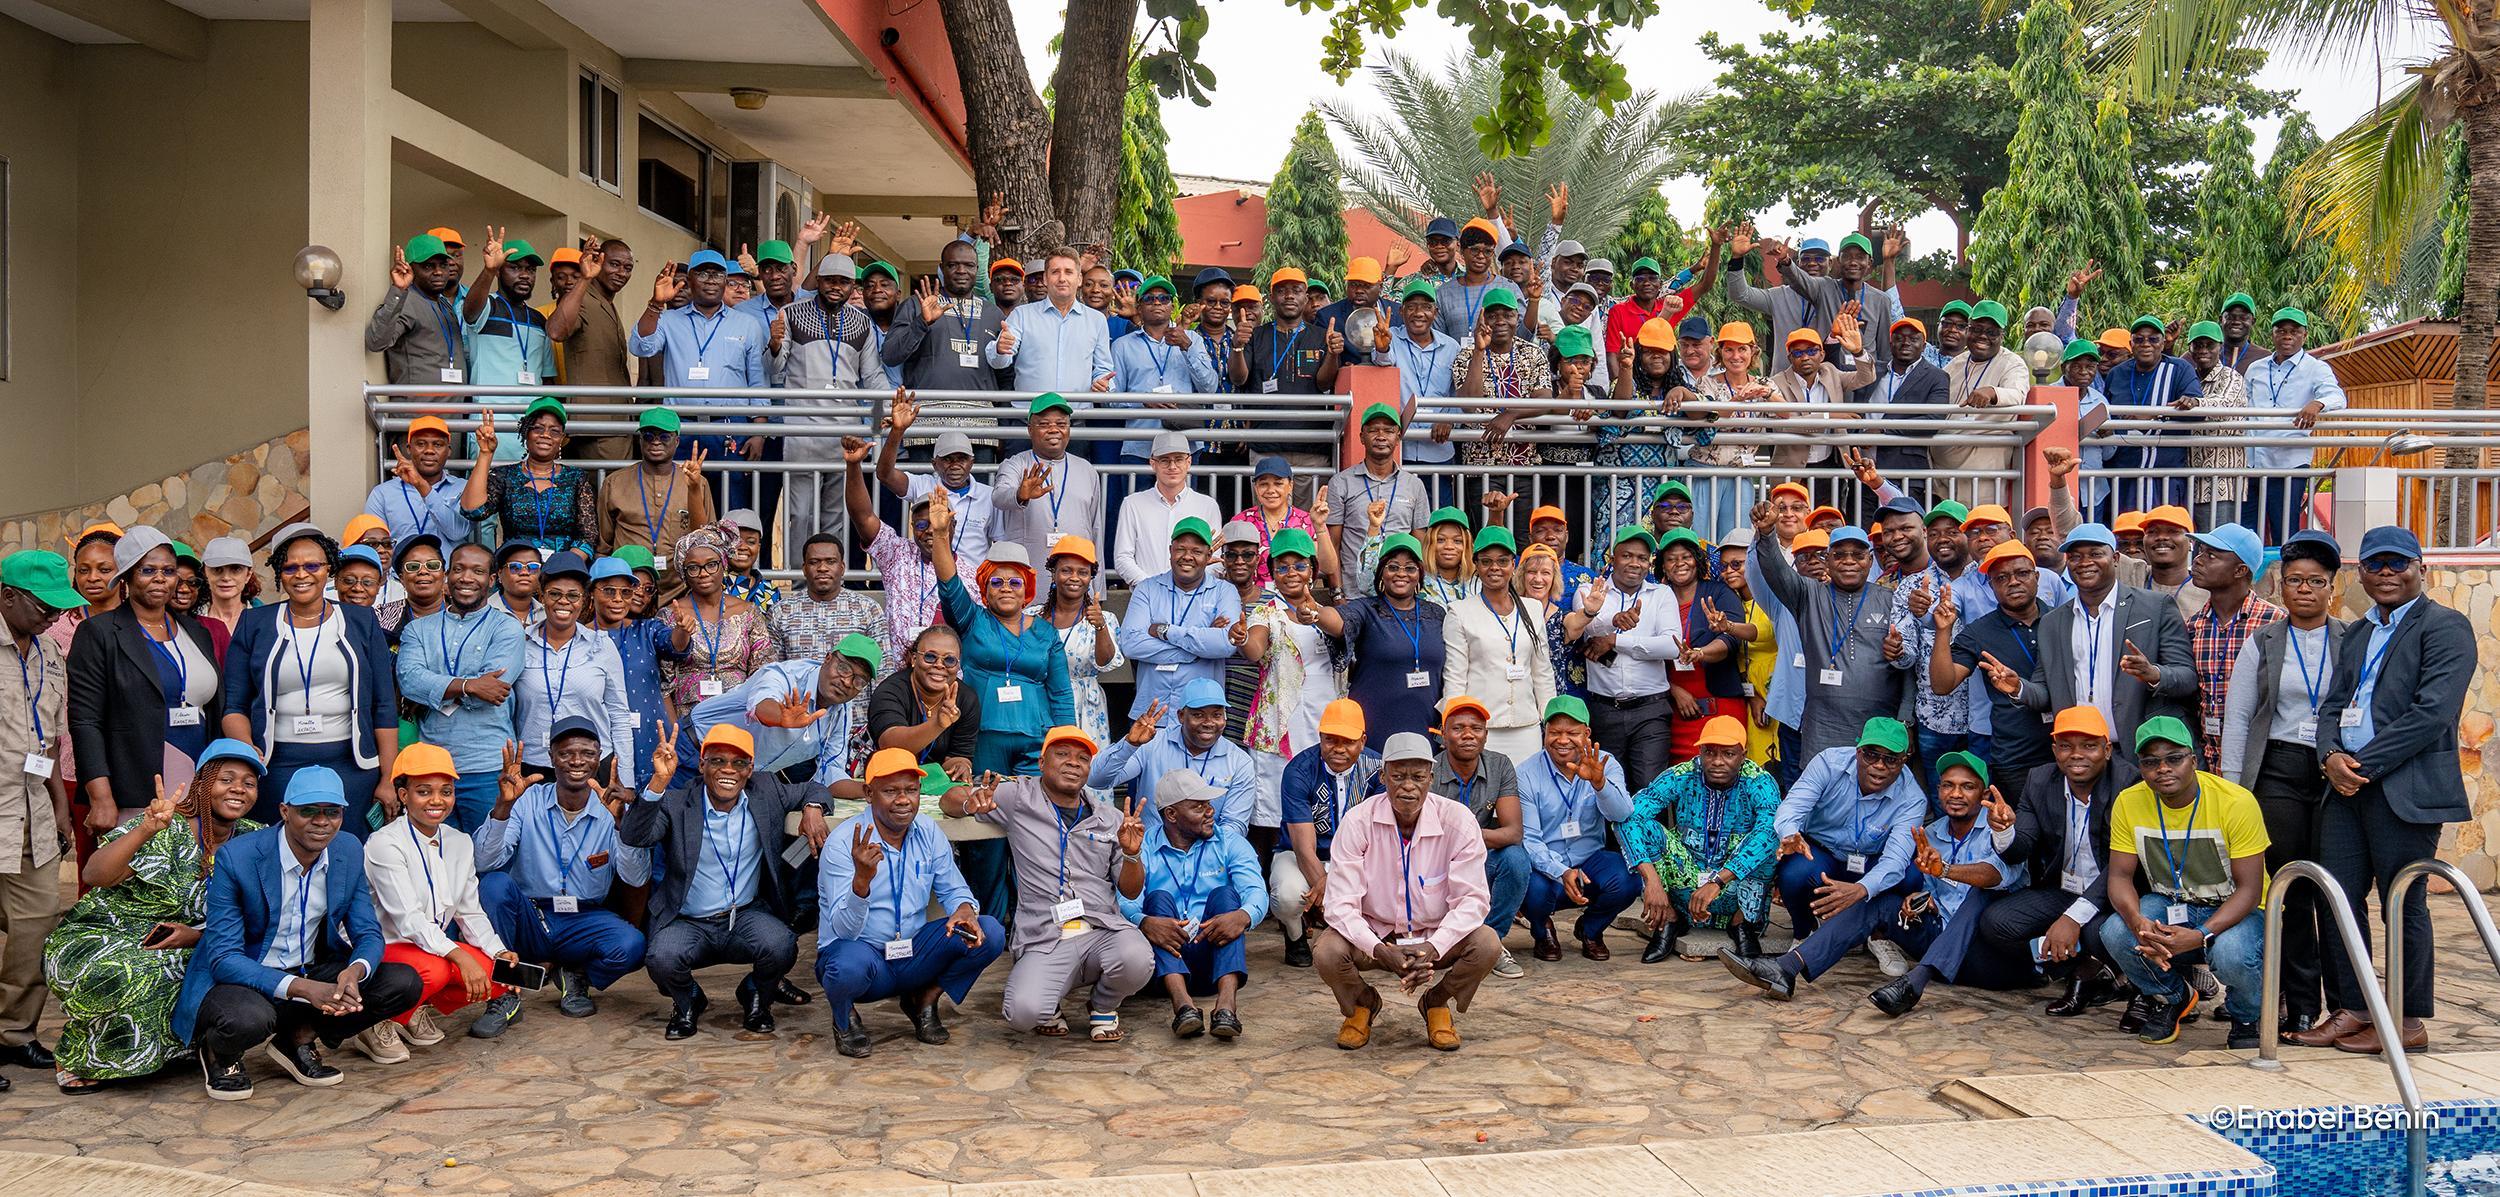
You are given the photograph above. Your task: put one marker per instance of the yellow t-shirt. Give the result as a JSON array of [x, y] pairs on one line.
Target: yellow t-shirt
[[2185, 854]]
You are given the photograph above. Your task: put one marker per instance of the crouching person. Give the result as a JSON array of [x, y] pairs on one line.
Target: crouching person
[[1202, 895]]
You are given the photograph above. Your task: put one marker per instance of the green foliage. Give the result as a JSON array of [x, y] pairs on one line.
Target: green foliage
[[2121, 232], [2450, 294], [2238, 228], [1421, 159], [1306, 208], [2302, 269], [1147, 231], [2041, 224]]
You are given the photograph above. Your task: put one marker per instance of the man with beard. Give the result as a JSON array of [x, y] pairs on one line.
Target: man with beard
[[938, 339], [659, 499], [2239, 319], [704, 345], [504, 339], [1983, 375], [2061, 835], [590, 336], [2003, 626], [414, 327]]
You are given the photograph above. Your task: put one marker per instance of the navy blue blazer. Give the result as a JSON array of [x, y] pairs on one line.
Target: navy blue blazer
[[243, 912], [253, 661], [2414, 708]]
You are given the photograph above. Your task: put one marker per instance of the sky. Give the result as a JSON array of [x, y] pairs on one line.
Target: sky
[[1265, 58]]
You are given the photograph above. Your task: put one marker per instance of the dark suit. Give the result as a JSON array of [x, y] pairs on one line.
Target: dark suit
[[2415, 787], [2012, 921], [758, 933], [1921, 383], [2152, 622], [117, 703], [229, 1002]]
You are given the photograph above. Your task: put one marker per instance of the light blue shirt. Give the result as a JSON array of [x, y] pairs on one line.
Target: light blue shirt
[[1826, 805], [2289, 386], [1974, 598], [776, 748], [1978, 847], [549, 852], [2373, 656], [409, 513], [898, 896], [439, 648], [1227, 767], [1144, 365], [725, 863], [1563, 818], [1056, 351], [1424, 372], [585, 678], [1188, 649], [1190, 874], [303, 901], [1462, 305], [728, 345]]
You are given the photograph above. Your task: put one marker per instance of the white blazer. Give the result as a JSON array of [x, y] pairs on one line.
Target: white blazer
[[421, 887]]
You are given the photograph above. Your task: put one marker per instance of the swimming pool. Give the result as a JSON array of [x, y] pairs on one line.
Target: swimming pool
[[2359, 1151]]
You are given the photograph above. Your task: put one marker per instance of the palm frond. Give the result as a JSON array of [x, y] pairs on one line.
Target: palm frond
[[2369, 189]]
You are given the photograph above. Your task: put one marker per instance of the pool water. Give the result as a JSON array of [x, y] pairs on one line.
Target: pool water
[[2464, 1156]]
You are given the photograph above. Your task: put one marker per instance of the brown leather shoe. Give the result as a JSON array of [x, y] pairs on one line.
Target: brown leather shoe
[[1357, 1028], [1441, 1027], [2335, 1026], [1549, 949], [2365, 1041], [1595, 949]]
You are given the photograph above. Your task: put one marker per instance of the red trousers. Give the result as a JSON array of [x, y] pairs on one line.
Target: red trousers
[[442, 985]]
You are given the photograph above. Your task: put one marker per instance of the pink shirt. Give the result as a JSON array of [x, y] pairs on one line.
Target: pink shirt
[[1439, 876]]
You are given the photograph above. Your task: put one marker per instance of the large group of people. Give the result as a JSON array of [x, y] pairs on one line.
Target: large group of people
[[539, 728]]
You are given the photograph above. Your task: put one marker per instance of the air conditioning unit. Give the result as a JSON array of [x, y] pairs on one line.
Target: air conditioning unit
[[767, 202]]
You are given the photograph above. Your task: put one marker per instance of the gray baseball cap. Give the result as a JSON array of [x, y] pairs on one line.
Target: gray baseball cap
[[953, 444], [1571, 249], [837, 266], [744, 517], [1182, 786], [1580, 289], [1238, 532], [139, 542], [1169, 442], [1599, 266], [225, 550], [1406, 746]]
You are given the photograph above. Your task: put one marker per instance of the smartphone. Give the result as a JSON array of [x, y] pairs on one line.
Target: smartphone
[[520, 975], [157, 935]]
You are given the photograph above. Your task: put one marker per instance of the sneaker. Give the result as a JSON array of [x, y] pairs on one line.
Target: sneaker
[[501, 1012], [573, 988], [422, 1030], [380, 1043], [303, 1062], [1507, 967], [2161, 1022], [2243, 1036], [226, 1079], [1889, 957], [1298, 952]]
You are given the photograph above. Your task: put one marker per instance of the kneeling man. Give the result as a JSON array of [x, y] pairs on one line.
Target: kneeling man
[[1203, 894]]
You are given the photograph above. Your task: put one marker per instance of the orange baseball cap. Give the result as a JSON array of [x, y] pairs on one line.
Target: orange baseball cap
[[1245, 293], [2116, 338], [1736, 332], [2080, 721], [1827, 511], [2012, 550], [1811, 538], [364, 522], [1548, 512], [1804, 336], [1006, 264], [1792, 488], [1987, 513], [1286, 274], [1722, 730], [1363, 270], [1074, 546], [1065, 733], [566, 255], [2127, 521], [2176, 517], [890, 761], [447, 236], [1656, 334], [423, 760], [1342, 717], [1911, 321], [1480, 225], [102, 527], [429, 424], [1463, 702], [729, 735]]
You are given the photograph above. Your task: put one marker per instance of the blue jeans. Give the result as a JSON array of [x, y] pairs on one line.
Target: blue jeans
[[1799, 876], [2237, 956], [1202, 964], [1508, 870], [592, 939], [854, 971], [1611, 890], [473, 798]]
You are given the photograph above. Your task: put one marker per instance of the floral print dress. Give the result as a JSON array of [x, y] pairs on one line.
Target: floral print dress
[[1093, 707], [727, 650]]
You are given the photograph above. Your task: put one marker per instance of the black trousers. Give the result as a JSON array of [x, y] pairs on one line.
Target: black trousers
[[754, 937], [1639, 735], [234, 1019], [2362, 843], [2292, 793], [2012, 921]]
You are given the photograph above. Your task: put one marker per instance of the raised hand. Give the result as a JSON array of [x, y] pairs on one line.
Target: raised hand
[[1761, 519], [1628, 618], [594, 257], [1718, 620], [1497, 504], [1176, 335], [1132, 826], [1035, 483], [948, 710], [992, 213], [1006, 342], [161, 809], [1397, 257], [1922, 598], [2001, 679], [404, 469], [2061, 462], [2139, 666], [1319, 507], [1893, 646], [2000, 812], [1591, 767], [1929, 861], [798, 710], [1488, 193], [1864, 467], [1093, 612], [403, 275], [1740, 239], [1241, 334], [495, 251], [1592, 599], [667, 283], [845, 238], [1484, 339], [1336, 339], [1947, 611], [815, 229], [1846, 327], [746, 260], [486, 437], [1558, 201], [1142, 732], [1377, 512], [866, 853], [508, 781], [855, 449], [691, 469], [1896, 243], [1239, 634], [2076, 282], [942, 517], [1192, 315], [900, 414], [664, 754]]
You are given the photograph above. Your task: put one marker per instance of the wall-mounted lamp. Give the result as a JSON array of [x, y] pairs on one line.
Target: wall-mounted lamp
[[318, 271], [748, 99]]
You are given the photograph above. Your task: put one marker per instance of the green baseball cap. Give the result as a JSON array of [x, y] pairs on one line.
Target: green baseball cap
[[2151, 319], [2204, 330], [1380, 411], [1292, 542], [1497, 538], [184, 552], [1500, 297], [885, 268], [2162, 727], [1648, 264], [1949, 509], [2240, 299], [661, 419], [1448, 515], [1397, 543], [548, 405], [1859, 240], [425, 247], [1636, 532], [517, 250], [934, 781], [1193, 526], [1046, 401], [1565, 704], [2295, 315], [1415, 287], [775, 251], [2080, 348], [43, 574], [1682, 536], [1886, 733], [1669, 487], [1951, 308], [1965, 760], [1575, 341], [1156, 282], [1989, 309], [861, 649], [636, 556]]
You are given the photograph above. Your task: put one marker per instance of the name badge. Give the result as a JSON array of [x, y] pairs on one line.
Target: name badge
[[969, 361], [2307, 730], [633, 719], [1516, 673], [38, 765], [306, 725], [698, 374], [1164, 389], [1168, 667], [1831, 677], [709, 687], [185, 715], [1068, 911], [659, 562], [1268, 387], [2072, 882], [898, 949], [453, 374], [1011, 693], [2213, 725], [528, 378], [568, 904], [1571, 830], [1410, 941], [1189, 930], [1856, 862], [1797, 662], [1418, 679], [1747, 689], [2176, 916], [2351, 717]]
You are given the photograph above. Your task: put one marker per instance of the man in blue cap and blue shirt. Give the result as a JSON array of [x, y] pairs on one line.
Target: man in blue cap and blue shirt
[[546, 860], [1192, 743], [289, 951], [705, 345], [1842, 622]]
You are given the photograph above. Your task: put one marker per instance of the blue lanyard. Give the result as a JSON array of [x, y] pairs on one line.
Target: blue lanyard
[[1956, 855], [1160, 360], [303, 915], [1857, 817], [1844, 635], [433, 902], [835, 732], [1278, 346], [667, 501], [1009, 652], [33, 685], [445, 323], [2369, 668], [303, 660], [1475, 300], [513, 321], [556, 686], [2299, 655], [2092, 649], [2274, 381], [1180, 616], [173, 656], [2014, 632], [451, 656], [711, 632], [2177, 861], [1510, 627], [963, 505], [1058, 490], [1371, 495], [421, 516], [564, 855], [899, 869], [1571, 800], [729, 862], [1467, 788], [1067, 827], [1415, 634], [704, 346]]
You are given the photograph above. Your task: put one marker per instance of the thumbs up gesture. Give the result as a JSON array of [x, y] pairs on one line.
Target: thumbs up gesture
[[1336, 339], [1628, 618]]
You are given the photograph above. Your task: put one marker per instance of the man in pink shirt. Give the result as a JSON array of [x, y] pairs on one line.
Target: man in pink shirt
[[1406, 894]]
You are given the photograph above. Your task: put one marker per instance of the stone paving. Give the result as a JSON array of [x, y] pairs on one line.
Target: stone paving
[[1577, 1055]]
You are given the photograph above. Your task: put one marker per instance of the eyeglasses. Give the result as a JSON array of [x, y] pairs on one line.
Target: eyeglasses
[[524, 567], [300, 569], [1004, 581], [1878, 756], [2305, 583], [2389, 564], [1676, 505], [420, 567], [691, 568], [1293, 565], [728, 762], [2165, 760], [942, 662]]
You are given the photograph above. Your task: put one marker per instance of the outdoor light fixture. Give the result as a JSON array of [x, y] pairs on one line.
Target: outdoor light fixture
[[2041, 350], [748, 99], [2405, 444], [318, 271]]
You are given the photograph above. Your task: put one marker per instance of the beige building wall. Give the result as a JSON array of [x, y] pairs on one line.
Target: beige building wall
[[39, 395]]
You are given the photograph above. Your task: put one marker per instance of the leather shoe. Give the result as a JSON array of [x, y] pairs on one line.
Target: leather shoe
[[2366, 1041], [1224, 1024], [1661, 946], [1896, 997], [756, 1006], [29, 1054], [1761, 972], [1746, 937], [788, 994], [1548, 949], [1298, 952], [2337, 1026], [925, 1024], [680, 1023], [2087, 988], [1595, 949], [852, 1040]]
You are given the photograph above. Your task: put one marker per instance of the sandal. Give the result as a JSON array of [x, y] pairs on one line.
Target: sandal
[[1055, 1028], [1104, 1027], [74, 1085]]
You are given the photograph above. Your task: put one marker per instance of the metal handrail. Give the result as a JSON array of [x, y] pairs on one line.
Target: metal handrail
[[2401, 887], [2348, 929]]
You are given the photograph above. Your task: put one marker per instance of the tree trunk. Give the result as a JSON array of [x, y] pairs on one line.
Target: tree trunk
[[1087, 90], [2482, 253], [1005, 127]]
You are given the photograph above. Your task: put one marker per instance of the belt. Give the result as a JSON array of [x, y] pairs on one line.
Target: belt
[[1623, 704]]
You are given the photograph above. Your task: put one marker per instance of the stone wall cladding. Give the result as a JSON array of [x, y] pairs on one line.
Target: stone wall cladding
[[245, 494]]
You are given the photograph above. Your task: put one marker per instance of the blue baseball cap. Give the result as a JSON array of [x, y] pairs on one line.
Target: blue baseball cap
[[567, 562], [1696, 328], [231, 750], [1902, 505], [610, 567], [1208, 277], [1441, 226], [360, 552], [1273, 467], [2237, 541], [707, 257], [1812, 244], [1515, 247], [1202, 692], [574, 725], [2390, 541], [1850, 534], [2098, 534], [1126, 273], [316, 785]]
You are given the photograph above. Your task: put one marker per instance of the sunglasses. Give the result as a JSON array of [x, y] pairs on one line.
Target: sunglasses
[[2386, 565], [298, 569], [942, 662], [524, 567], [1878, 756], [152, 571], [2166, 760], [323, 812], [1004, 582], [420, 567]]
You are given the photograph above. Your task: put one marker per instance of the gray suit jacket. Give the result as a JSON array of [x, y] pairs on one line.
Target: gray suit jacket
[[673, 823], [2412, 753], [2152, 622], [2270, 643]]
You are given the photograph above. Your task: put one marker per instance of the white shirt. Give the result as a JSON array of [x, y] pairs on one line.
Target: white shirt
[[2095, 658], [298, 931], [422, 885], [1500, 659], [972, 518], [1642, 656], [321, 653], [1143, 546], [2289, 386]]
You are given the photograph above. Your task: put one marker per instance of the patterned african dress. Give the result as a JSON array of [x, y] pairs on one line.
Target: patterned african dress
[[563, 515], [119, 997], [725, 650], [1690, 832], [1093, 707]]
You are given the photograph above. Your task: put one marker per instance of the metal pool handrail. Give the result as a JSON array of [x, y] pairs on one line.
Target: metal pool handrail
[[2401, 887]]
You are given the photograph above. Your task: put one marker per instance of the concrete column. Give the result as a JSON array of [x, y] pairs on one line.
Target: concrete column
[[2365, 497], [349, 137]]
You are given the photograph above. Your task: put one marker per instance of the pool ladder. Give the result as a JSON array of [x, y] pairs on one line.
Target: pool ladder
[[2382, 1006]]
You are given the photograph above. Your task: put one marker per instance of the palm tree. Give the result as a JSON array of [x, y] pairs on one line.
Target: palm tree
[[1421, 159], [2372, 189]]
